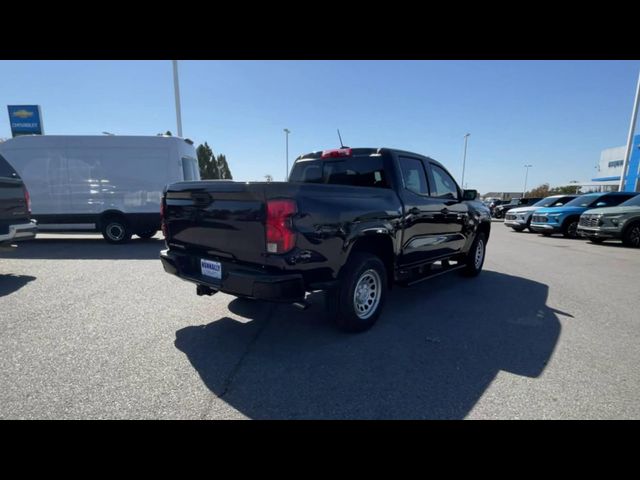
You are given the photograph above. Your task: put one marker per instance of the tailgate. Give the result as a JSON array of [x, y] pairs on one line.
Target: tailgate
[[218, 218]]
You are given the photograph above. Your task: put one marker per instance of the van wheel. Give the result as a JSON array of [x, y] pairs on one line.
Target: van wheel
[[357, 302], [148, 234], [116, 230], [475, 258]]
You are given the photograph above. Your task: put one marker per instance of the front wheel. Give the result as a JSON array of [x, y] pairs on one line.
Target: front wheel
[[570, 229], [475, 257], [631, 237], [357, 302], [518, 229]]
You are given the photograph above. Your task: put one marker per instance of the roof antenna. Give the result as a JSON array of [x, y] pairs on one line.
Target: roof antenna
[[341, 144]]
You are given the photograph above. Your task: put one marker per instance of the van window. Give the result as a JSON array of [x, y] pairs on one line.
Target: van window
[[7, 170], [190, 171]]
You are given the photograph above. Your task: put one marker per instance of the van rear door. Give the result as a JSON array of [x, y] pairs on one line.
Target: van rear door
[[13, 203]]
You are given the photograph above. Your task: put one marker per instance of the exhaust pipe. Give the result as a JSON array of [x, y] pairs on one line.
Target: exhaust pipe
[[204, 290]]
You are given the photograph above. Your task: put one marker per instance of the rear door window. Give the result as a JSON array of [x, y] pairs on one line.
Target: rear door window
[[413, 175]]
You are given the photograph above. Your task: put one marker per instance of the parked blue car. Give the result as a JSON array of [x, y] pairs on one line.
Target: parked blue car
[[565, 219]]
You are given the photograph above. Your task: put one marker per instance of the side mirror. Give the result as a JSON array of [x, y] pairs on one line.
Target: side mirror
[[601, 204], [469, 194]]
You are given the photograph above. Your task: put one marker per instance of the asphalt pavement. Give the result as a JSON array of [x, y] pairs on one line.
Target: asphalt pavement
[[550, 329]]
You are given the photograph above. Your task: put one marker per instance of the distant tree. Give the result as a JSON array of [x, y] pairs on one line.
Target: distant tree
[[207, 162], [268, 177], [223, 168], [166, 133], [539, 191], [565, 189]]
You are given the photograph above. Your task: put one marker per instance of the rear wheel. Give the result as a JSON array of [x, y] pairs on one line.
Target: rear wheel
[[570, 228], [357, 302], [631, 236], [116, 230], [147, 234]]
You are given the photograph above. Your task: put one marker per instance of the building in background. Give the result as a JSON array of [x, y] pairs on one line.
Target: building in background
[[610, 170]]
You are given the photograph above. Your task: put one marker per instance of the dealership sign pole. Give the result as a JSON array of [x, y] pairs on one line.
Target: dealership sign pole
[[632, 128], [176, 88]]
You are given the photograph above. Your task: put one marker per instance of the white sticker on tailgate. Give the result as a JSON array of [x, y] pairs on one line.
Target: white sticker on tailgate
[[210, 268]]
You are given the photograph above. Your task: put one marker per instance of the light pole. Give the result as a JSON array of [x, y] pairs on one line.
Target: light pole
[[464, 157], [287, 132], [176, 89], [526, 174]]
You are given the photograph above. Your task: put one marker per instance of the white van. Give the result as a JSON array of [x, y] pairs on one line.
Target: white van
[[112, 184]]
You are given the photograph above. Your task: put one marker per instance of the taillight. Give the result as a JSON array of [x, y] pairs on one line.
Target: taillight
[[280, 237], [338, 152], [27, 200]]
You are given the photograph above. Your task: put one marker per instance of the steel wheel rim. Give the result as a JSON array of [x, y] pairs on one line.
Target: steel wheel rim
[[366, 295], [479, 254], [115, 231], [635, 236]]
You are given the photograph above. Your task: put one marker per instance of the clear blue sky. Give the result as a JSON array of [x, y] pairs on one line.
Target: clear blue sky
[[555, 115]]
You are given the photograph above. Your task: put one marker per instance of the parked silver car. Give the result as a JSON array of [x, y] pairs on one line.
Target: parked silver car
[[520, 218]]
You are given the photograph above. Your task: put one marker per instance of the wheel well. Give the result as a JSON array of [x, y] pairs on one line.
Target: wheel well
[[110, 214], [485, 227], [380, 246], [566, 221], [630, 224]]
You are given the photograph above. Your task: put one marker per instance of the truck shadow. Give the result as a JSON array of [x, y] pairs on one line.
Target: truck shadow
[[434, 352], [86, 248], [11, 283]]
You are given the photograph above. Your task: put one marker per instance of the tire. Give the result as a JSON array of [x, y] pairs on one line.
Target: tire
[[570, 228], [116, 230], [518, 229], [356, 303], [475, 258], [148, 234], [596, 240], [545, 234], [631, 236]]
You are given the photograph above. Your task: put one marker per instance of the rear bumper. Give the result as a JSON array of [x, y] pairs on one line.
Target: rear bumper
[[236, 280], [22, 231], [596, 233]]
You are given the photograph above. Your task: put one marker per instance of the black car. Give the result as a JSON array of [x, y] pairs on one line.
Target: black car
[[501, 210], [15, 208], [349, 221]]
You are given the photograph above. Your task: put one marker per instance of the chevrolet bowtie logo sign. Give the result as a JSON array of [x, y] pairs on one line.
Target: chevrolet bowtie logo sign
[[25, 120], [22, 114]]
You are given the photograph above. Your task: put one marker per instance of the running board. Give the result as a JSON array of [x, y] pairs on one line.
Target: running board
[[435, 274]]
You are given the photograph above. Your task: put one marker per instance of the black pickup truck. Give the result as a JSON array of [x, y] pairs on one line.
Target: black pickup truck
[[350, 221], [15, 207]]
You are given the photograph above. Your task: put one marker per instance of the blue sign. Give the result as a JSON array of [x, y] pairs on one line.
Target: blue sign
[[25, 120]]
